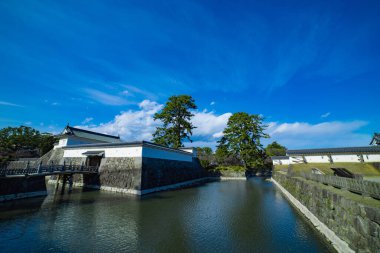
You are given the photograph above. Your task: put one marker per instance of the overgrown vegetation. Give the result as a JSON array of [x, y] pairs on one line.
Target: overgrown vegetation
[[22, 141], [275, 149]]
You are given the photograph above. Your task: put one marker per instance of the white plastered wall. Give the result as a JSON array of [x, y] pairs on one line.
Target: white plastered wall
[[317, 159], [372, 158], [149, 152], [281, 161], [346, 158], [108, 151]]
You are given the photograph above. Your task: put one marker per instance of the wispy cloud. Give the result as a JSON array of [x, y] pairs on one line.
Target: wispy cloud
[[131, 90], [325, 115], [10, 104], [87, 120], [212, 103], [105, 98]]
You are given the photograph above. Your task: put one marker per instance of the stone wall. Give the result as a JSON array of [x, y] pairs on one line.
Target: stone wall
[[21, 187], [161, 172], [134, 173], [74, 160], [121, 172], [56, 156], [353, 218]]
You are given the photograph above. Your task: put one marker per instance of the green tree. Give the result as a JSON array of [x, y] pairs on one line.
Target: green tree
[[176, 118], [205, 155], [275, 149], [224, 157], [242, 139], [14, 139]]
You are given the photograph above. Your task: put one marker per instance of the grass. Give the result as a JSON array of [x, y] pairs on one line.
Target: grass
[[355, 197], [365, 169]]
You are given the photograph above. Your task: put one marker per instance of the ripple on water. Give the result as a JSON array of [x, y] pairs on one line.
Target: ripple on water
[[228, 216]]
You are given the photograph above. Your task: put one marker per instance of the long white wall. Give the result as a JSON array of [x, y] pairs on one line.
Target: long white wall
[[280, 161], [371, 158], [108, 151], [350, 158], [149, 152]]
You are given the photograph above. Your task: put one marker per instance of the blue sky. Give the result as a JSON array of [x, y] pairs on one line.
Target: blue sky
[[311, 68]]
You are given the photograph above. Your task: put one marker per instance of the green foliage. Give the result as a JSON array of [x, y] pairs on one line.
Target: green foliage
[[14, 139], [275, 149], [234, 168], [224, 157], [175, 117], [206, 157], [242, 139]]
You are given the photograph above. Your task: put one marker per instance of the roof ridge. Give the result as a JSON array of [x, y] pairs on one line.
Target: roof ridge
[[92, 132]]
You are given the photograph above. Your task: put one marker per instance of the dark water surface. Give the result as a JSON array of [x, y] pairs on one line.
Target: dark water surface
[[228, 216]]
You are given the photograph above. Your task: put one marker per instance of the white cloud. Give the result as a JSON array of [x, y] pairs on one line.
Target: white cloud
[[209, 124], [86, 120], [325, 115], [326, 134], [212, 103], [105, 98], [135, 91], [126, 93], [132, 125], [139, 124], [10, 104]]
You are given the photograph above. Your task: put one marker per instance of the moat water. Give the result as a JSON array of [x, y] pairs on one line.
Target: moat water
[[227, 216]]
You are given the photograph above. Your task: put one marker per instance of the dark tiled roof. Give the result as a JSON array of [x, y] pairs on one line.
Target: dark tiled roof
[[363, 150], [82, 133]]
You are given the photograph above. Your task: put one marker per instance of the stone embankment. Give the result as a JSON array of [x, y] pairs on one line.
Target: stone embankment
[[353, 218], [19, 187]]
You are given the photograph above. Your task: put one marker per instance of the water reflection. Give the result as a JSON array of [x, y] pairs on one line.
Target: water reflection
[[231, 216]]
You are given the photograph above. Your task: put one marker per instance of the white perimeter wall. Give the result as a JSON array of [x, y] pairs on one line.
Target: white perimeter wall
[[354, 158], [108, 151], [317, 159], [281, 161], [371, 158], [131, 152]]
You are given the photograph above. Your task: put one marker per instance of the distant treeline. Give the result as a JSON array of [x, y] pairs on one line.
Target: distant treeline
[[24, 141]]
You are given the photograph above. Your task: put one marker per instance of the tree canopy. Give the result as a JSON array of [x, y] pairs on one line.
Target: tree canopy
[[275, 149], [205, 156], [242, 139], [176, 118], [23, 138]]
